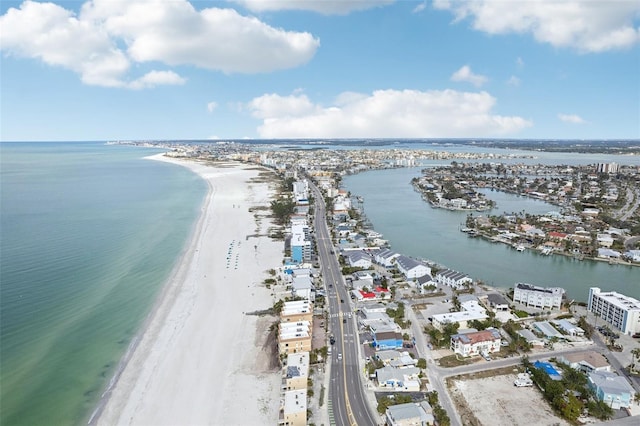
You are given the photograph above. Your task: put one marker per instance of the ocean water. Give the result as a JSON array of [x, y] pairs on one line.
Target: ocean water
[[88, 235]]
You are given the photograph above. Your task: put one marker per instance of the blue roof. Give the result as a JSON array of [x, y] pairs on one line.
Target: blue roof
[[547, 368]]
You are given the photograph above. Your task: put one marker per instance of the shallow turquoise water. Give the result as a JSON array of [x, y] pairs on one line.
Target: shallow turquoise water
[[89, 233]]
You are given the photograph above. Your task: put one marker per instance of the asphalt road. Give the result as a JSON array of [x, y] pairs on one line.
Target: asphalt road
[[347, 400]]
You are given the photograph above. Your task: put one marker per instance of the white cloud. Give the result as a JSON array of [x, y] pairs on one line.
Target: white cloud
[[103, 41], [325, 7], [465, 74], [384, 113], [420, 7], [586, 25], [571, 118], [513, 81], [157, 78], [211, 106]]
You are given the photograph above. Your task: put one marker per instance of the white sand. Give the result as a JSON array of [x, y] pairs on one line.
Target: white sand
[[200, 359]]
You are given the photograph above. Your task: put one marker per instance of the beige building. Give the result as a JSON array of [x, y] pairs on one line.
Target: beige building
[[293, 410], [294, 337], [296, 372], [296, 311]]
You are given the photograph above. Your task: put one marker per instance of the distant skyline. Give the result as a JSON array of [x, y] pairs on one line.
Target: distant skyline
[[178, 69]]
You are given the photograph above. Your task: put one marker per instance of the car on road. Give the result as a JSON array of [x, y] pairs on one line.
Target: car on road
[[341, 300], [339, 357], [344, 320]]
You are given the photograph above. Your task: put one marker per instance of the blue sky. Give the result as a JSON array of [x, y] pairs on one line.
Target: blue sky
[[158, 69]]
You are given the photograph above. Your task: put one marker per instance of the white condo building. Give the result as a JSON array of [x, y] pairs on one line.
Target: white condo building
[[622, 312], [538, 297]]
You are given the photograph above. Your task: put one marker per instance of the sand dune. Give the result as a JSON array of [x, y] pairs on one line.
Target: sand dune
[[200, 359]]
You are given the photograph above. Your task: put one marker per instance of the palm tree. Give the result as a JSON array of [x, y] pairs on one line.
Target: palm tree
[[635, 354]]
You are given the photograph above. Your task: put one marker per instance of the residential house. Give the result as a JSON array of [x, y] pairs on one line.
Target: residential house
[[612, 389], [568, 327], [387, 340], [358, 259], [452, 278], [586, 362], [385, 257], [411, 268], [399, 379], [302, 286], [476, 342], [531, 338], [547, 329], [410, 414], [498, 302]]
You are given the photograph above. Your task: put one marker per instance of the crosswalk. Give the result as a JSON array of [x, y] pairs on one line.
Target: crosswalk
[[332, 420]]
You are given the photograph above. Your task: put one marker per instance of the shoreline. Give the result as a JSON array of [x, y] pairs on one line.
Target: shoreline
[[176, 370]]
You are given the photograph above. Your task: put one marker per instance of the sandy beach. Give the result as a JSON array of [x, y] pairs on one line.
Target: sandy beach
[[200, 359]]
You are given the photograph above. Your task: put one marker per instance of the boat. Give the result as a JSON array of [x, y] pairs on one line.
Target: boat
[[546, 251], [520, 247]]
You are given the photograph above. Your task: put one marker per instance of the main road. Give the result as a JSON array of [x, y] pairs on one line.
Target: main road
[[347, 400]]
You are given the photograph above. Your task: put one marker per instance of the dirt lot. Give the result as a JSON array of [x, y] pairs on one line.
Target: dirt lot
[[496, 401]]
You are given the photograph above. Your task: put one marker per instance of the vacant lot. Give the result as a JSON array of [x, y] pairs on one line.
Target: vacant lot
[[496, 401]]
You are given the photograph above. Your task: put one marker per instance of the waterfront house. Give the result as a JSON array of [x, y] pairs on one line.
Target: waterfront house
[[538, 297], [453, 279], [607, 253], [498, 302], [411, 268], [611, 389], [410, 414], [462, 318], [476, 342], [586, 362], [294, 337], [358, 259], [385, 257], [633, 255]]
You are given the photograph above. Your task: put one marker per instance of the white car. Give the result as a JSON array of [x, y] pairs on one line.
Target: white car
[[339, 357]]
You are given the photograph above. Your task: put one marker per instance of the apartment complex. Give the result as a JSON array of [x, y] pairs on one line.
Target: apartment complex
[[622, 312], [538, 297]]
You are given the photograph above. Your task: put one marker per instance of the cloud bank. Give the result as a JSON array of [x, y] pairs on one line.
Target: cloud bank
[[384, 114], [325, 7], [585, 25], [107, 37]]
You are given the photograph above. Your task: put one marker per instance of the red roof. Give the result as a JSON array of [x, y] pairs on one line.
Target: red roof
[[367, 295], [557, 235], [382, 290]]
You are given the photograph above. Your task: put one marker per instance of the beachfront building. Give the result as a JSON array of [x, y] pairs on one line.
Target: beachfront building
[[293, 408], [453, 279], [296, 372], [612, 389], [294, 337], [476, 342], [301, 246], [410, 414], [297, 310], [302, 287], [622, 312], [538, 297], [586, 362], [411, 268]]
